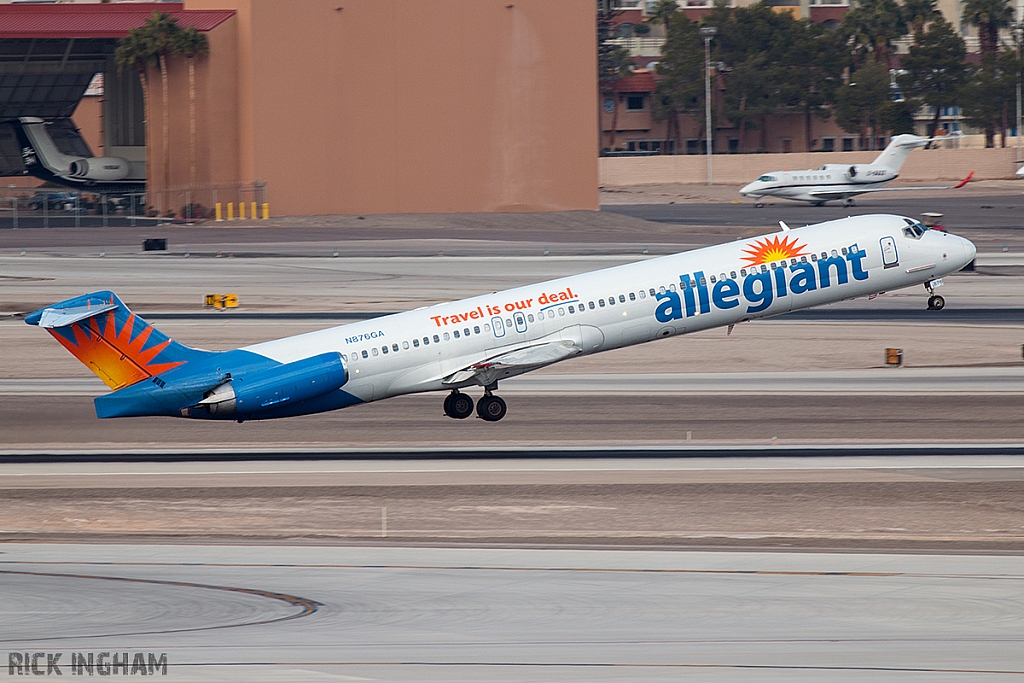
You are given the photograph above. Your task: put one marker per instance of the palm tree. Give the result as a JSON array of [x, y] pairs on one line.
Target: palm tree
[[135, 51], [918, 14], [989, 16], [191, 43], [163, 30]]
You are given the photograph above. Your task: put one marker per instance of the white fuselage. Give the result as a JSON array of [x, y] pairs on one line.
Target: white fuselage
[[820, 185], [729, 283]]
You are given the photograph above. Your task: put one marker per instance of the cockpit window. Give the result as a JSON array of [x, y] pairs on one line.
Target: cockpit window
[[767, 179], [914, 229]]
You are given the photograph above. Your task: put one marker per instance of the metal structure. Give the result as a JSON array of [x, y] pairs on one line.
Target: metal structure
[[707, 33]]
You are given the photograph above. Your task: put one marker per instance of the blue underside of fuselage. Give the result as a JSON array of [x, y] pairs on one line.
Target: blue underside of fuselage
[[176, 392]]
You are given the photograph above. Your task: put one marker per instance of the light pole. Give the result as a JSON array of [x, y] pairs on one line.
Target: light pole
[[1018, 26], [707, 33]]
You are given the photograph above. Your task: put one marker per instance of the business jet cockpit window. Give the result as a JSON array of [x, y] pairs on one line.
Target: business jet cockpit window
[[767, 179]]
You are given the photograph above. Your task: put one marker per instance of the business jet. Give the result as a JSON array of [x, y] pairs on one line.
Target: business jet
[[844, 181], [54, 151], [480, 341]]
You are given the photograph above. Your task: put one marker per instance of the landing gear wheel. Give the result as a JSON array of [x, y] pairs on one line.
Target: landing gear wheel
[[491, 408], [849, 202], [936, 303], [758, 205], [818, 204], [458, 405]]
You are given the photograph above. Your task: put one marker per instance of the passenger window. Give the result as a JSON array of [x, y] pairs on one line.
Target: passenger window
[[405, 345], [844, 251], [508, 322], [622, 298], [632, 296], [529, 318], [712, 280], [364, 354], [571, 309], [652, 292], [803, 259], [642, 294], [487, 327], [384, 350], [394, 347], [590, 305], [600, 302], [476, 329], [551, 313], [814, 257], [466, 332], [824, 254], [416, 343], [437, 339], [426, 341], [611, 301], [561, 311], [374, 349], [743, 272], [703, 282], [446, 336], [834, 253], [764, 268], [456, 333], [672, 287]]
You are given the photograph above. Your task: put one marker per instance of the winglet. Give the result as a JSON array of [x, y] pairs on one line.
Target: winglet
[[785, 228], [964, 181]]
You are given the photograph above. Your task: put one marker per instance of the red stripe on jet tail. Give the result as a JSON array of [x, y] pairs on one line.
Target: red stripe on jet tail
[[964, 181]]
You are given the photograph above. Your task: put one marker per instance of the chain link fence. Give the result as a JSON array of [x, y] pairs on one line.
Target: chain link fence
[[45, 207]]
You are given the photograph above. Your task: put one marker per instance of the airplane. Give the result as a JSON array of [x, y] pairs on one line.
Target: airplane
[[480, 341], [844, 181], [54, 150]]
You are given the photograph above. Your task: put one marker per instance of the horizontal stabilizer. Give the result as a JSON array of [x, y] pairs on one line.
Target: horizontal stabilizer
[[51, 318]]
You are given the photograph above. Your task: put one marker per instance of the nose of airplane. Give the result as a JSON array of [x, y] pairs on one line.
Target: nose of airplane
[[748, 189], [970, 251]]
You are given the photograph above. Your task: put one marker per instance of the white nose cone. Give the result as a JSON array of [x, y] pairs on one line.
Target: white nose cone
[[1020, 172], [750, 190]]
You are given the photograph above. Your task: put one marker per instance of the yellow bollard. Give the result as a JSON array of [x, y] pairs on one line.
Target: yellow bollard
[[231, 211], [266, 210], [241, 211], [254, 214], [217, 209]]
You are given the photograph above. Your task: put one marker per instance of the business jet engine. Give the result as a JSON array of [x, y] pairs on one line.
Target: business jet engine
[[101, 169]]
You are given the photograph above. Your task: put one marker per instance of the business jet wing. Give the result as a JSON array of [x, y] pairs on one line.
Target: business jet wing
[[515, 362], [836, 194]]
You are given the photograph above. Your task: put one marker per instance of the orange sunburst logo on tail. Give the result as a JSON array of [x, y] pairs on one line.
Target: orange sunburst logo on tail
[[773, 249], [115, 357]]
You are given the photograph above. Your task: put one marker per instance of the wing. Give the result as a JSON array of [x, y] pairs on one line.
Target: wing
[[513, 363], [827, 194]]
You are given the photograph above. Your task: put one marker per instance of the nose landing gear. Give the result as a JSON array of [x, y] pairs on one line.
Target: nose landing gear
[[935, 302], [849, 202]]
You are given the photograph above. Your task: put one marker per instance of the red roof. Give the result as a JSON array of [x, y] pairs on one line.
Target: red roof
[[640, 81], [97, 20]]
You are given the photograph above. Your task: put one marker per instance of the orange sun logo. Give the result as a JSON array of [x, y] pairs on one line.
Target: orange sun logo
[[773, 249], [114, 355]]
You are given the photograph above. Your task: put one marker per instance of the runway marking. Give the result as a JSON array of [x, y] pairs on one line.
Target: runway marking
[[306, 605]]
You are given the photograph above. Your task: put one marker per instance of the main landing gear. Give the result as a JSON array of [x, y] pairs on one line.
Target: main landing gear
[[849, 202], [460, 406], [935, 302]]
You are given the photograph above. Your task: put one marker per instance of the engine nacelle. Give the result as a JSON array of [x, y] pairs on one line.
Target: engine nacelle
[[293, 382], [99, 168]]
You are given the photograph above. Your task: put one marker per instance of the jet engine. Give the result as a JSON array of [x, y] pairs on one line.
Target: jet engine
[[293, 382], [103, 169], [852, 172]]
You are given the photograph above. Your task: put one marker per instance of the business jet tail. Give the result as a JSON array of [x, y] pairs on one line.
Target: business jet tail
[[895, 153]]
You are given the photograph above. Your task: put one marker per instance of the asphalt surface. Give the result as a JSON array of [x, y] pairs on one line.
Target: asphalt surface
[[556, 419], [301, 614]]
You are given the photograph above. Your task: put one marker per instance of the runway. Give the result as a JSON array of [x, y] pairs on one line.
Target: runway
[[289, 613]]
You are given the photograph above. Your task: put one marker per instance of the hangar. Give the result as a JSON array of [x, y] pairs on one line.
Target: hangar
[[358, 107]]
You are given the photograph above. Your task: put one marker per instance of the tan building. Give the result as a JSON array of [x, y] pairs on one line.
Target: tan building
[[371, 107]]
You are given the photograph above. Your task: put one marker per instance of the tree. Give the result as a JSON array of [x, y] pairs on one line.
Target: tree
[[663, 12], [613, 64], [191, 43], [871, 28], [935, 70], [919, 13], [988, 96], [989, 16], [861, 104], [680, 89], [135, 51]]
